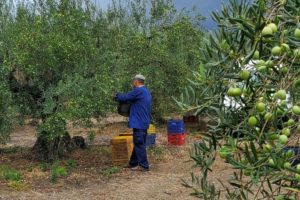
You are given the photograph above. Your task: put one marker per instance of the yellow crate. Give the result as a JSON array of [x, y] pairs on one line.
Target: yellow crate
[[121, 139], [122, 147], [120, 162], [151, 130], [126, 134]]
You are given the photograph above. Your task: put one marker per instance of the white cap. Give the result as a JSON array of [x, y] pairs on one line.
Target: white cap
[[139, 77]]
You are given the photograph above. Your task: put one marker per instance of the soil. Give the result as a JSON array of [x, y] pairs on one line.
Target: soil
[[94, 176]]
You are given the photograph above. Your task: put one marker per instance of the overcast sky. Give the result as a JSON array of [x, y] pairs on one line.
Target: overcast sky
[[205, 7]]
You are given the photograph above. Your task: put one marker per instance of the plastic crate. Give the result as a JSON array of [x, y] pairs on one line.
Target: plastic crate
[[126, 134], [122, 147], [178, 139], [151, 130], [175, 127], [151, 140]]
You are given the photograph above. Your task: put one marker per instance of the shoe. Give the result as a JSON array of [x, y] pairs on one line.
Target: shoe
[[139, 168], [145, 169], [130, 166], [136, 168]]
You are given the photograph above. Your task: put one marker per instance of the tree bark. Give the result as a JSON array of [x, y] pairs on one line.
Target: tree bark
[[49, 150]]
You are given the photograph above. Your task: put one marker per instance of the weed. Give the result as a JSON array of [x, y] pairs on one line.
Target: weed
[[30, 168], [61, 171], [104, 150], [12, 150], [91, 136], [70, 164], [10, 174], [18, 185], [44, 166], [158, 152], [108, 172], [57, 171], [196, 134]]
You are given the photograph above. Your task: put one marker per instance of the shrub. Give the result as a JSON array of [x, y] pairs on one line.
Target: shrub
[[57, 171], [10, 174]]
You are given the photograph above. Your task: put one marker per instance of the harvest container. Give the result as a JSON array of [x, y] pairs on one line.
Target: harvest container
[[151, 130], [126, 134], [175, 127], [122, 147], [178, 139], [124, 109]]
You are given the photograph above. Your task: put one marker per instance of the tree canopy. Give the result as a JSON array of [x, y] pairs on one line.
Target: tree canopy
[[62, 60]]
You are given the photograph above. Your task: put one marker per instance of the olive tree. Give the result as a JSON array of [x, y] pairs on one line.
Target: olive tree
[[54, 67], [248, 85], [64, 59], [7, 108], [153, 38]]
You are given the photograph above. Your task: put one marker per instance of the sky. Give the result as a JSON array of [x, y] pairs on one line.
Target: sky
[[205, 7]]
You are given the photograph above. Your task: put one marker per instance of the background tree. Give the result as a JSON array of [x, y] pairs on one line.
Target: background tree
[[7, 109], [248, 84], [63, 60], [161, 43]]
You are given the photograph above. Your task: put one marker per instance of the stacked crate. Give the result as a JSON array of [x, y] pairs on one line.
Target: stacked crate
[[122, 147], [126, 134], [176, 134], [151, 136]]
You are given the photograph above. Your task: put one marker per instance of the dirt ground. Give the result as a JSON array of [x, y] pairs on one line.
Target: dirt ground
[[92, 178]]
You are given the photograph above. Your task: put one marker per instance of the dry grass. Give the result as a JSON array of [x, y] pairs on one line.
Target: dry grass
[[95, 177]]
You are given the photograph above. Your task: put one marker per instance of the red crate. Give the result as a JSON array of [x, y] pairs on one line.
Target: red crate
[[177, 139]]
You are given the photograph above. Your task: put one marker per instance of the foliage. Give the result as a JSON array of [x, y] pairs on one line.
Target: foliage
[[70, 164], [162, 153], [91, 136], [57, 171], [108, 172], [44, 166], [158, 44], [61, 60], [245, 41], [6, 101], [10, 174], [158, 152], [18, 185], [104, 150], [7, 112]]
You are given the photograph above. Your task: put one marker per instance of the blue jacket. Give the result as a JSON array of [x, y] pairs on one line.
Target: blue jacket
[[140, 110]]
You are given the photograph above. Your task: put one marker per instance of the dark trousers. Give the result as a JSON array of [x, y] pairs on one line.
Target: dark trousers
[[139, 153]]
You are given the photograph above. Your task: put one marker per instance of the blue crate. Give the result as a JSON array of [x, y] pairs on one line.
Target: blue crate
[[151, 140], [175, 127], [296, 159]]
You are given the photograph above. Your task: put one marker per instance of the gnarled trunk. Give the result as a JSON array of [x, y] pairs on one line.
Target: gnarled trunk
[[49, 150], [46, 149]]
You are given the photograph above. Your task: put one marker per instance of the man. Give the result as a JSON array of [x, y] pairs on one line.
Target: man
[[139, 120]]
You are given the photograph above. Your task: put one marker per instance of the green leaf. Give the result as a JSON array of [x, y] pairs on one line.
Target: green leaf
[[202, 72]]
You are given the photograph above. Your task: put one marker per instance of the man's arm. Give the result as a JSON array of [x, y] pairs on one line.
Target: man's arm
[[130, 96]]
